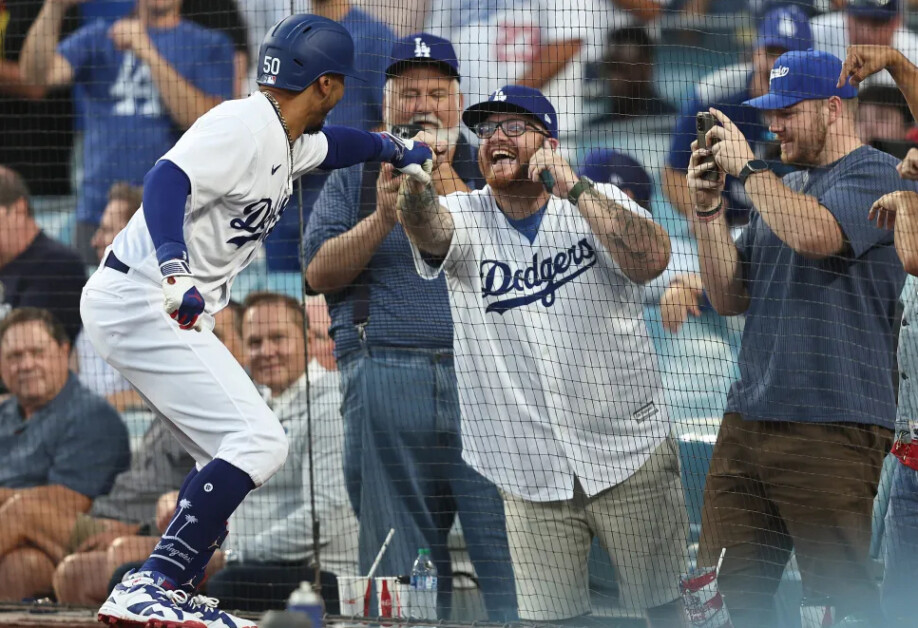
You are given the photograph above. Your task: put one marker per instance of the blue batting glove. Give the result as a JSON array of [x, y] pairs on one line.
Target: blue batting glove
[[411, 157]]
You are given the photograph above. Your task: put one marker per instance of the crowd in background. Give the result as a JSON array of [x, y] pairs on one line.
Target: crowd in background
[[93, 92]]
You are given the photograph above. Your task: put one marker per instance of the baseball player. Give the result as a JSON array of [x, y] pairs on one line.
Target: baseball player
[[208, 204], [562, 405]]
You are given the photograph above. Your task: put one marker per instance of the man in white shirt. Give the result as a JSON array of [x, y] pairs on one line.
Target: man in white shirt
[[865, 23], [270, 548], [562, 405]]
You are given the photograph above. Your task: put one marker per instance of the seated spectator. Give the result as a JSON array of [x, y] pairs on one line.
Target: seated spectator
[[782, 29], [140, 83], [865, 23], [626, 76], [95, 373], [35, 270], [270, 547], [882, 114], [61, 447]]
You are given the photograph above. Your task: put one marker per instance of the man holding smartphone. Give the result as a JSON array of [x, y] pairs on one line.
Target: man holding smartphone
[[809, 420], [394, 343]]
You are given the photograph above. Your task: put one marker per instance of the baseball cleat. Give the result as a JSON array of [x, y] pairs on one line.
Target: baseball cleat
[[205, 608], [140, 601]]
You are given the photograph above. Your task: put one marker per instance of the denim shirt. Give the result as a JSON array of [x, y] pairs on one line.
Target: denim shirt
[[908, 357]]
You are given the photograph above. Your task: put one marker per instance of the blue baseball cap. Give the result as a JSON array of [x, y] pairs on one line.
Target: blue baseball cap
[[881, 10], [803, 75], [514, 99], [423, 48], [787, 28], [605, 165]]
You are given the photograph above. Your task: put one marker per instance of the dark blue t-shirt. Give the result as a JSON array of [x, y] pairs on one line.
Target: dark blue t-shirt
[[77, 440], [818, 344], [127, 126], [49, 275], [725, 89], [360, 107]]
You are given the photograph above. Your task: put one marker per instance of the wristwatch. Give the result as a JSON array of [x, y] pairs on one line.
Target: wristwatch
[[752, 166], [584, 184]]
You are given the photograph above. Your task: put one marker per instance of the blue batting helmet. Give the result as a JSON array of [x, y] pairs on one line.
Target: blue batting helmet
[[301, 48]]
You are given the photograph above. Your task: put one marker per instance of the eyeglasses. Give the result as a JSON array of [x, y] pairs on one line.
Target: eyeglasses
[[514, 127]]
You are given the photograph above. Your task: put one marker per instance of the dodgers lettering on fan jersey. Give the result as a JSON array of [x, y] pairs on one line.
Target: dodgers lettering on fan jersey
[[557, 374], [241, 177]]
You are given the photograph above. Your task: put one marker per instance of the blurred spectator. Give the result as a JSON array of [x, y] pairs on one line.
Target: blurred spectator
[[394, 339], [361, 108], [35, 270], [544, 44], [626, 77], [605, 165], [78, 542], [39, 143], [899, 211], [808, 423], [882, 114], [94, 372], [264, 564], [48, 427], [579, 447], [219, 15], [142, 81], [782, 29], [865, 22]]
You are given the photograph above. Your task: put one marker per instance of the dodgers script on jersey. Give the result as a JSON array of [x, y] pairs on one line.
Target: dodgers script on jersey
[[241, 175], [557, 374]]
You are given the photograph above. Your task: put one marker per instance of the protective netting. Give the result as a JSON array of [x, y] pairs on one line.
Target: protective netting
[[582, 367]]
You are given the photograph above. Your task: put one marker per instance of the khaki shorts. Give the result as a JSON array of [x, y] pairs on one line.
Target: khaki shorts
[[641, 522], [83, 528]]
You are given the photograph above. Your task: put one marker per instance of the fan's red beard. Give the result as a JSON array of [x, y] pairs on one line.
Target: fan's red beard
[[501, 176]]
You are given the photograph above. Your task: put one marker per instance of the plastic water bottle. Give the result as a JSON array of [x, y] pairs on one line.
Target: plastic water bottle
[[423, 587], [305, 600]]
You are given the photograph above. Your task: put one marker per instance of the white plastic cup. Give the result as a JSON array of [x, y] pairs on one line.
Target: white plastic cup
[[351, 592]]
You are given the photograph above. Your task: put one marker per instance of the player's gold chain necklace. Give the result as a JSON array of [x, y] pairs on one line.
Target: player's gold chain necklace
[[280, 116]]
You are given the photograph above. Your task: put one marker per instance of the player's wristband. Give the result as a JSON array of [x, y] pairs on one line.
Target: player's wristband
[[710, 214], [173, 260], [393, 148]]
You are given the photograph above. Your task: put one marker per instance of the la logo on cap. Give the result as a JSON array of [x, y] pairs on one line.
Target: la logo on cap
[[787, 27], [420, 48], [547, 119], [499, 95], [778, 72]]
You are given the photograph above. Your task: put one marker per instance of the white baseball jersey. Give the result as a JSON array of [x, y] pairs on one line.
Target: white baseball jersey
[[241, 174], [557, 374]]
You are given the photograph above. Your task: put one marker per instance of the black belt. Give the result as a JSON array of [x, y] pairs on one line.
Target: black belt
[[115, 264]]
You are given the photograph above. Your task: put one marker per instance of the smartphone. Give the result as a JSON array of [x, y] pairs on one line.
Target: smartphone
[[704, 122], [406, 131]]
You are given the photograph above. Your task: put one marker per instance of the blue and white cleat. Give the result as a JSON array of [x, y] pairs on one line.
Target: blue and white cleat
[[139, 600], [205, 608]]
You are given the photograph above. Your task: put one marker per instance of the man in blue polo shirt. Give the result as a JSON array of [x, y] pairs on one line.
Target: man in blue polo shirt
[[59, 443], [809, 421], [144, 80], [394, 344], [782, 29]]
